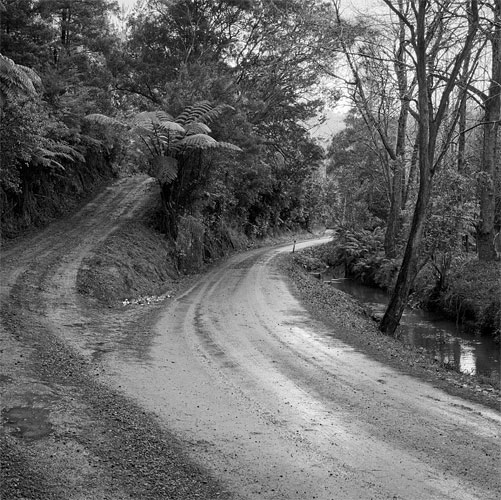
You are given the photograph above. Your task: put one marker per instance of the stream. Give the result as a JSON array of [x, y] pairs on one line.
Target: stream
[[447, 341]]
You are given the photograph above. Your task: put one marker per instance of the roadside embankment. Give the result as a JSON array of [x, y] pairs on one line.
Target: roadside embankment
[[351, 323], [136, 264]]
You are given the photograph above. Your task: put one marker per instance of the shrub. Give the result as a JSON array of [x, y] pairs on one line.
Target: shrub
[[362, 253], [472, 295]]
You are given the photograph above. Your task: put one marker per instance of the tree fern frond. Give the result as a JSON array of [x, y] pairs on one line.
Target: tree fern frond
[[171, 127], [217, 112], [144, 130], [229, 146], [16, 78], [195, 113], [91, 141], [105, 120], [32, 75], [152, 116], [42, 155], [197, 141], [68, 152], [164, 168], [147, 123], [203, 141], [197, 128]]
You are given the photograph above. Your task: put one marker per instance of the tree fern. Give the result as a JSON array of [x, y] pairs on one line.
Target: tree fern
[[152, 116], [197, 128], [164, 168], [202, 112], [16, 79], [52, 153], [105, 120], [197, 141], [167, 138]]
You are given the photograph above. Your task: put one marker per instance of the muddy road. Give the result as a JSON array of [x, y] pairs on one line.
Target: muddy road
[[228, 390]]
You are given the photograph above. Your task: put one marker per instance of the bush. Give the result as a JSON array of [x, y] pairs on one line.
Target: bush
[[472, 295], [362, 254]]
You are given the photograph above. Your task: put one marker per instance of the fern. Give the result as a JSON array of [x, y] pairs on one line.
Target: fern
[[152, 116], [16, 79], [164, 168], [167, 138], [53, 151], [105, 120], [202, 112], [197, 128], [197, 141]]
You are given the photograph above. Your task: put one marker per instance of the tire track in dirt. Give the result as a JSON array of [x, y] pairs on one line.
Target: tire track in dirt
[[61, 425], [282, 410]]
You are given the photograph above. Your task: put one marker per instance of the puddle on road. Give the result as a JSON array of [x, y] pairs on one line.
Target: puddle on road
[[27, 422]]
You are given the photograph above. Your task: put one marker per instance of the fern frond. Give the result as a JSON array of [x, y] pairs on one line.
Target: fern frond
[[217, 112], [148, 124], [201, 112], [105, 120], [16, 78], [229, 146], [63, 150], [32, 75], [171, 127], [164, 168], [194, 112], [152, 116], [197, 141], [197, 128], [203, 141], [47, 154]]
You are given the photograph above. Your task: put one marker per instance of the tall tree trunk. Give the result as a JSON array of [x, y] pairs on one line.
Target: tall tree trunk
[[412, 173], [408, 270], [394, 223], [490, 155], [394, 219]]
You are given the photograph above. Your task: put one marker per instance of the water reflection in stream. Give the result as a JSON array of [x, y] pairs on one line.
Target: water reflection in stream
[[446, 340]]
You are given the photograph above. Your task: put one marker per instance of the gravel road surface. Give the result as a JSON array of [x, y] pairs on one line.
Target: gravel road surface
[[230, 389]]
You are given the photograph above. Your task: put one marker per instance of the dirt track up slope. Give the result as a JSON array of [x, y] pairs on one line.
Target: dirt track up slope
[[64, 434]]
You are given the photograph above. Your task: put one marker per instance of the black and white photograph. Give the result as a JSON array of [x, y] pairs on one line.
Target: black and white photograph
[[250, 249]]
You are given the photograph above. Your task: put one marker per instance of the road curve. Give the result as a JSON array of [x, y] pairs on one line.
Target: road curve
[[267, 398]]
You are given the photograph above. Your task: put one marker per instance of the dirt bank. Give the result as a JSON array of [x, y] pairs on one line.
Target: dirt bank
[[66, 434]]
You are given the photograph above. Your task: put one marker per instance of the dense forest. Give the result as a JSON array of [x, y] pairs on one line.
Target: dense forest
[[214, 98]]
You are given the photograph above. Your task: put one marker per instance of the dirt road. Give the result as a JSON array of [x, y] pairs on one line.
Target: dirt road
[[245, 394], [280, 409]]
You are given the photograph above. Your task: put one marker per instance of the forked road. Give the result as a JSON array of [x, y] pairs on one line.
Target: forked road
[[276, 407], [259, 392]]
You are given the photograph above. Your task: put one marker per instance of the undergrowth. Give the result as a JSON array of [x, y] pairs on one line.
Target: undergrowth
[[469, 293]]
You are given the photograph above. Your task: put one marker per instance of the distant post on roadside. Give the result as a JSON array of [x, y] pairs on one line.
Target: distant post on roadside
[[294, 246]]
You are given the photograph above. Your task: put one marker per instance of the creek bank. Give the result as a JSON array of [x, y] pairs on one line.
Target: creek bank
[[473, 296], [353, 324], [465, 290]]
